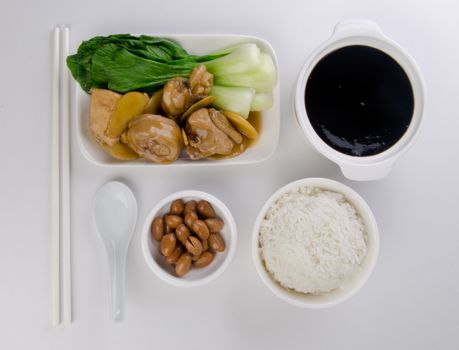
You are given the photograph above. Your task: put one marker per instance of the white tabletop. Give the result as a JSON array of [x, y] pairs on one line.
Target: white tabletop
[[410, 302]]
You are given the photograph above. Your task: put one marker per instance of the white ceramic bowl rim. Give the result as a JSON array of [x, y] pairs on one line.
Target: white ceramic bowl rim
[[367, 267], [362, 32], [231, 245]]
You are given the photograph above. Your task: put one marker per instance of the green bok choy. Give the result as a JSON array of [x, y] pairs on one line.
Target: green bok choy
[[244, 77], [262, 77], [234, 99]]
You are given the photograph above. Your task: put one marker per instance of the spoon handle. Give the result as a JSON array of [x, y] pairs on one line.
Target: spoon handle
[[116, 262]]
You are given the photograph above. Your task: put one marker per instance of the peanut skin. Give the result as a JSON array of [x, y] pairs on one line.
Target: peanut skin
[[190, 218], [201, 229], [205, 259], [190, 206], [183, 264], [173, 221], [216, 242], [182, 233], [172, 259], [205, 209], [214, 225], [167, 244], [177, 207], [194, 245], [157, 228]]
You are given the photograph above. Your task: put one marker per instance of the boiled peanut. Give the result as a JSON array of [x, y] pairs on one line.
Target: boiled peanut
[[195, 257], [183, 264], [214, 225], [216, 242], [157, 228], [205, 259], [190, 218], [177, 207], [182, 232], [194, 245], [173, 221], [205, 245], [167, 244], [190, 206], [172, 259], [201, 229], [205, 209], [189, 235]]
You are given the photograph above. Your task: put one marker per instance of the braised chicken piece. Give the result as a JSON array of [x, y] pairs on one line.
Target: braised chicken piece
[[176, 98], [200, 82], [155, 138], [224, 125], [204, 137], [195, 153]]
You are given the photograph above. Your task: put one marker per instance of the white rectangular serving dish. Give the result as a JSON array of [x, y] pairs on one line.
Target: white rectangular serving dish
[[198, 44]]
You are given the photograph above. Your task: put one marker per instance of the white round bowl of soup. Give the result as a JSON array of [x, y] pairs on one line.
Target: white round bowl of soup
[[360, 99]]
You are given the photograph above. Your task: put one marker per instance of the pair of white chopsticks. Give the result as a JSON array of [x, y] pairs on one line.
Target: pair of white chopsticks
[[60, 169]]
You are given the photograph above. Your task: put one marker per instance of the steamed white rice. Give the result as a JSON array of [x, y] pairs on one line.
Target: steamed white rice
[[312, 240]]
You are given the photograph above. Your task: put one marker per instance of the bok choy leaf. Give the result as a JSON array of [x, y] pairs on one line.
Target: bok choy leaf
[[123, 62]]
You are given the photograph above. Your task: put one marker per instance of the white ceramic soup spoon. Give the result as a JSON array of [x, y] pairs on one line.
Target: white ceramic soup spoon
[[115, 214]]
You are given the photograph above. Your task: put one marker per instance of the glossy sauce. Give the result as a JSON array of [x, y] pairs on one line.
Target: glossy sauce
[[359, 100]]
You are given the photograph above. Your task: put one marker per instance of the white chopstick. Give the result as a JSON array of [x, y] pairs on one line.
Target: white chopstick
[[55, 185], [65, 184], [60, 193]]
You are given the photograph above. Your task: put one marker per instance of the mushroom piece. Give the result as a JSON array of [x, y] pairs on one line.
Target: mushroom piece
[[155, 138], [242, 125], [176, 98], [200, 82], [204, 137], [205, 102]]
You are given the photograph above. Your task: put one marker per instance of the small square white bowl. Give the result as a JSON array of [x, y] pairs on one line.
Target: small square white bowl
[[197, 44]]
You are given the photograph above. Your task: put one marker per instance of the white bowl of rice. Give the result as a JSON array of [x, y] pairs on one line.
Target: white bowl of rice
[[315, 243]]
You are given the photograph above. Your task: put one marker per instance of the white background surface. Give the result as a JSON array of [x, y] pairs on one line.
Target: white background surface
[[410, 302]]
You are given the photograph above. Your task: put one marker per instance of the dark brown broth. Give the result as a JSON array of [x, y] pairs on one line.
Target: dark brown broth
[[359, 100]]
